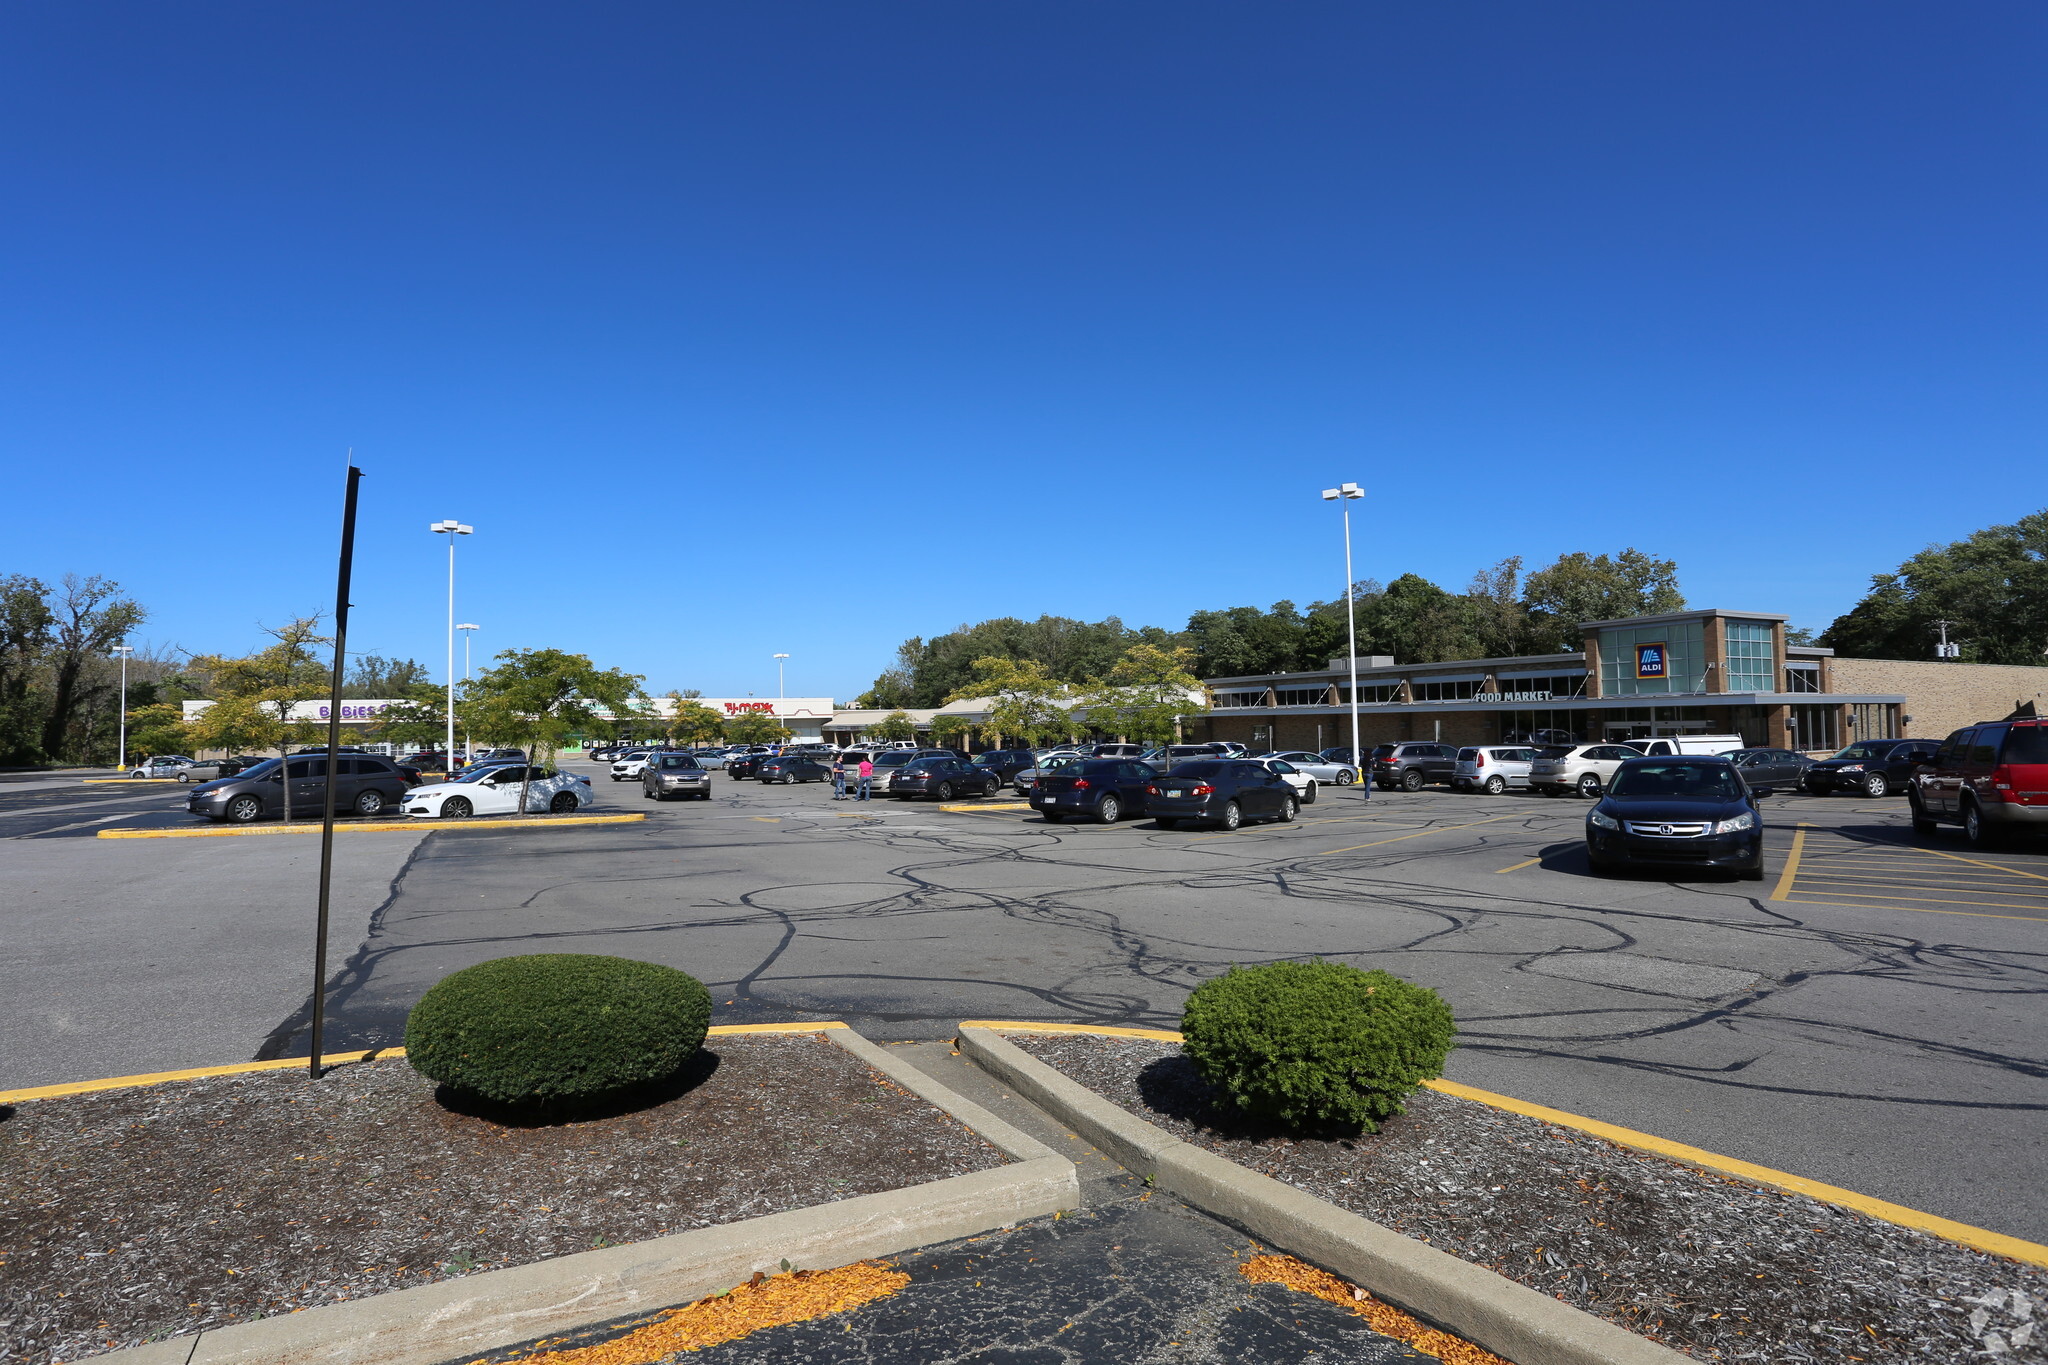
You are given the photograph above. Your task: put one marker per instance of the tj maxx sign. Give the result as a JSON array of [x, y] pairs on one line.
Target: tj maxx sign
[[736, 708]]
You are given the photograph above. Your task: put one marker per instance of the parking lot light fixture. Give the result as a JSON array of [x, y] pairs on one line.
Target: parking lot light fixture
[[778, 675], [451, 528], [124, 651], [1344, 494]]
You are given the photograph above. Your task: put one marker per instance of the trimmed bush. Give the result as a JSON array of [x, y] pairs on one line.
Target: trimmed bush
[[557, 1031], [1316, 1045]]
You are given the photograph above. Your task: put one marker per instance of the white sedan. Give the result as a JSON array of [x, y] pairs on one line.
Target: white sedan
[[495, 791], [1318, 767], [1304, 784]]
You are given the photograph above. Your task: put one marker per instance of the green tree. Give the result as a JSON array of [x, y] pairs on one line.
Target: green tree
[[1580, 587], [897, 725], [951, 730], [1025, 702], [1417, 622], [539, 698], [1145, 695], [695, 723], [1070, 651], [158, 728], [755, 727], [419, 724], [89, 618], [238, 725], [1991, 586], [25, 635], [1244, 640], [272, 681]]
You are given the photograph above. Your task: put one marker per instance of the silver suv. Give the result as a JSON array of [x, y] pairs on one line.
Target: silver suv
[[667, 775], [1583, 768], [1492, 768]]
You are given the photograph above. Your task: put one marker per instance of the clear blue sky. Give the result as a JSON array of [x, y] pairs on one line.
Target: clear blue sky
[[804, 327]]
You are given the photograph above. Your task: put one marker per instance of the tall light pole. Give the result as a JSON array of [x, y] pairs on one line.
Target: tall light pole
[[466, 628], [451, 528], [124, 651], [778, 675], [1344, 494]]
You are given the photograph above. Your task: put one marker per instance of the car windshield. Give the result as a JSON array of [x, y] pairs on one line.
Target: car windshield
[[1058, 761], [1210, 769], [263, 769], [1382, 751], [478, 774], [893, 760], [1684, 781], [1866, 751], [679, 761], [1555, 750]]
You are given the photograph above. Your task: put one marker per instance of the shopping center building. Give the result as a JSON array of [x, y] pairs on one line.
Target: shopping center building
[[1686, 672]]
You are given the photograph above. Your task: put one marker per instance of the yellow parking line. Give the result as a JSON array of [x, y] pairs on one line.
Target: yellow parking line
[[1441, 829], [1802, 898], [126, 781], [1996, 867], [1791, 863], [1518, 866], [1983, 885], [413, 825], [1937, 900]]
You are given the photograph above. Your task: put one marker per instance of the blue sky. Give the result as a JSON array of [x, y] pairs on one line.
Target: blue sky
[[806, 327]]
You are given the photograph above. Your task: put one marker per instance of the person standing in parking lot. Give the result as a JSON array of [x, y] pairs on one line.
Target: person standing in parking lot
[[839, 777], [867, 777]]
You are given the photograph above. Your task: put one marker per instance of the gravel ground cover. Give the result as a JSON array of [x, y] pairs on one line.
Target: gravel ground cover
[[130, 1215], [1714, 1267]]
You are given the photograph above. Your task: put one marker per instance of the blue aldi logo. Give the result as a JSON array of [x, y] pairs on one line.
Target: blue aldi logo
[[1650, 661]]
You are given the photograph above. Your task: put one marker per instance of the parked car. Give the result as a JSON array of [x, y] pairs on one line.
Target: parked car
[[1412, 765], [427, 760], [744, 765], [1492, 768], [1024, 779], [1870, 767], [1667, 745], [667, 775], [629, 764], [1220, 791], [1114, 750], [1529, 738], [890, 762], [1583, 768], [366, 785], [163, 766], [495, 791], [1769, 770], [1322, 769], [1992, 779], [1165, 757], [1303, 783], [1004, 763], [942, 779], [788, 768], [1690, 811], [1105, 789]]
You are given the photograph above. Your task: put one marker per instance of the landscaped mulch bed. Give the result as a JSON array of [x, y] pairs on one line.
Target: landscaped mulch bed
[[129, 1215], [1717, 1268]]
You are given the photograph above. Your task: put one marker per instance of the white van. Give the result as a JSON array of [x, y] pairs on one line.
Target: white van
[[1665, 746]]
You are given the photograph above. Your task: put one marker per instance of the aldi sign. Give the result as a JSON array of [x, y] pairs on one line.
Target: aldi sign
[[1652, 661]]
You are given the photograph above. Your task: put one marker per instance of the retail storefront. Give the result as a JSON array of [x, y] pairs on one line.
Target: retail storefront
[[1693, 672]]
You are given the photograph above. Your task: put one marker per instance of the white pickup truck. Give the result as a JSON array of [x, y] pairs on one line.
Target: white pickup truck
[[1670, 745]]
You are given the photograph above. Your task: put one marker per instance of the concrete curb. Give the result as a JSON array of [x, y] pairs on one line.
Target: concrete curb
[[479, 1313], [409, 826], [1489, 1310]]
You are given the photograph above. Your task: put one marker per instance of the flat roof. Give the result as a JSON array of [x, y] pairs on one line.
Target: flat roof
[[1695, 613]]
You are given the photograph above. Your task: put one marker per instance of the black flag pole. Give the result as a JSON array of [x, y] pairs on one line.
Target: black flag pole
[[348, 555]]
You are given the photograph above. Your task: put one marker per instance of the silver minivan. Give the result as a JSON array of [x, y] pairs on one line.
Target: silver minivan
[[1492, 768]]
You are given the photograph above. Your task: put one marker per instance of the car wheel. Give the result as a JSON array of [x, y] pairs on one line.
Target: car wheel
[[457, 808], [370, 803], [184, 777], [1232, 816], [1589, 786], [563, 803], [1975, 830], [945, 791], [1345, 777], [1308, 795], [1496, 784], [1289, 809], [1166, 822], [1923, 825], [992, 786], [1876, 785], [1109, 810], [1411, 781], [243, 809], [1599, 867]]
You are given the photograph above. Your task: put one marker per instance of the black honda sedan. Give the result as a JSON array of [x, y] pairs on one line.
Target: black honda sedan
[[1104, 789], [1870, 767], [942, 779], [1677, 812], [788, 768], [1005, 763], [1222, 792], [745, 765]]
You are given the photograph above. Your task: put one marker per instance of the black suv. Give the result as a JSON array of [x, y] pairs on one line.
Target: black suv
[[1870, 767], [1004, 763], [1410, 766]]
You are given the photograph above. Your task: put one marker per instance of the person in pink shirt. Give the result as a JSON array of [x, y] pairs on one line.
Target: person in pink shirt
[[867, 777]]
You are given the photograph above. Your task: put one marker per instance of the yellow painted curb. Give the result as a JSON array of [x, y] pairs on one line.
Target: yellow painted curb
[[988, 805], [128, 781], [48, 1092], [1981, 1239], [410, 825]]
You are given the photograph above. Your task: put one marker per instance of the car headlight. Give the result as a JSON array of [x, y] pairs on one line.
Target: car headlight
[[1850, 768], [1746, 820], [1602, 820]]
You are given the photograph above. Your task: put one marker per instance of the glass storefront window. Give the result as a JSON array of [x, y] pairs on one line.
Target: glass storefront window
[[1648, 659], [1749, 656]]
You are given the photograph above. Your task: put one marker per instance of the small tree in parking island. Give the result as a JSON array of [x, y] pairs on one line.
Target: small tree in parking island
[[414, 724], [694, 722], [754, 727], [538, 698], [1026, 702], [1145, 695], [947, 729], [897, 725]]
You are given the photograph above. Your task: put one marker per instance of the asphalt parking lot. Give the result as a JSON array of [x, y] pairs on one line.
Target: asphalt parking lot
[[1869, 1015]]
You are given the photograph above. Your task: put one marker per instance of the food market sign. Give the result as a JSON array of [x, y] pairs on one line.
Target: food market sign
[[1511, 696]]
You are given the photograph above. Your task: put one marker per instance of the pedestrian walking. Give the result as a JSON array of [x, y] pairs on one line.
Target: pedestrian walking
[[839, 777], [867, 777]]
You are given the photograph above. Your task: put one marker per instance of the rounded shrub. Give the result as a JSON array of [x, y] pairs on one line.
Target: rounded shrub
[[1316, 1045], [557, 1031]]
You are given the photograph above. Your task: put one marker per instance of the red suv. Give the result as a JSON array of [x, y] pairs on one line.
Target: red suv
[[1992, 779]]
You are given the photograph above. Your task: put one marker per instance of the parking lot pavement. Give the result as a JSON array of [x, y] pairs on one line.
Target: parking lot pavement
[[1857, 1041]]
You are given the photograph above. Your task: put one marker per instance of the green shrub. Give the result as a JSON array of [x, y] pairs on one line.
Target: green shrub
[[1316, 1045], [557, 1031]]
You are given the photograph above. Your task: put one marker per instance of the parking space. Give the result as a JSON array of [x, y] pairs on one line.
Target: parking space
[[1880, 868]]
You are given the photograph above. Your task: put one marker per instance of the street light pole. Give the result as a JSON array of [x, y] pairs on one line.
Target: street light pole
[[467, 628], [451, 528], [1345, 494], [124, 651], [778, 675]]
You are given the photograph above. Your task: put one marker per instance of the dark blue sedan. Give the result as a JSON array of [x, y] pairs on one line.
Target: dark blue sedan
[[1103, 789]]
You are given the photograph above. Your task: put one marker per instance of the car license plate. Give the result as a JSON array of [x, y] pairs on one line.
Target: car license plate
[[1174, 792]]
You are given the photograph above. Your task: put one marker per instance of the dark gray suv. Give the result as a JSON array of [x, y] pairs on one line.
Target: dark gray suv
[[1411, 766], [365, 785]]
